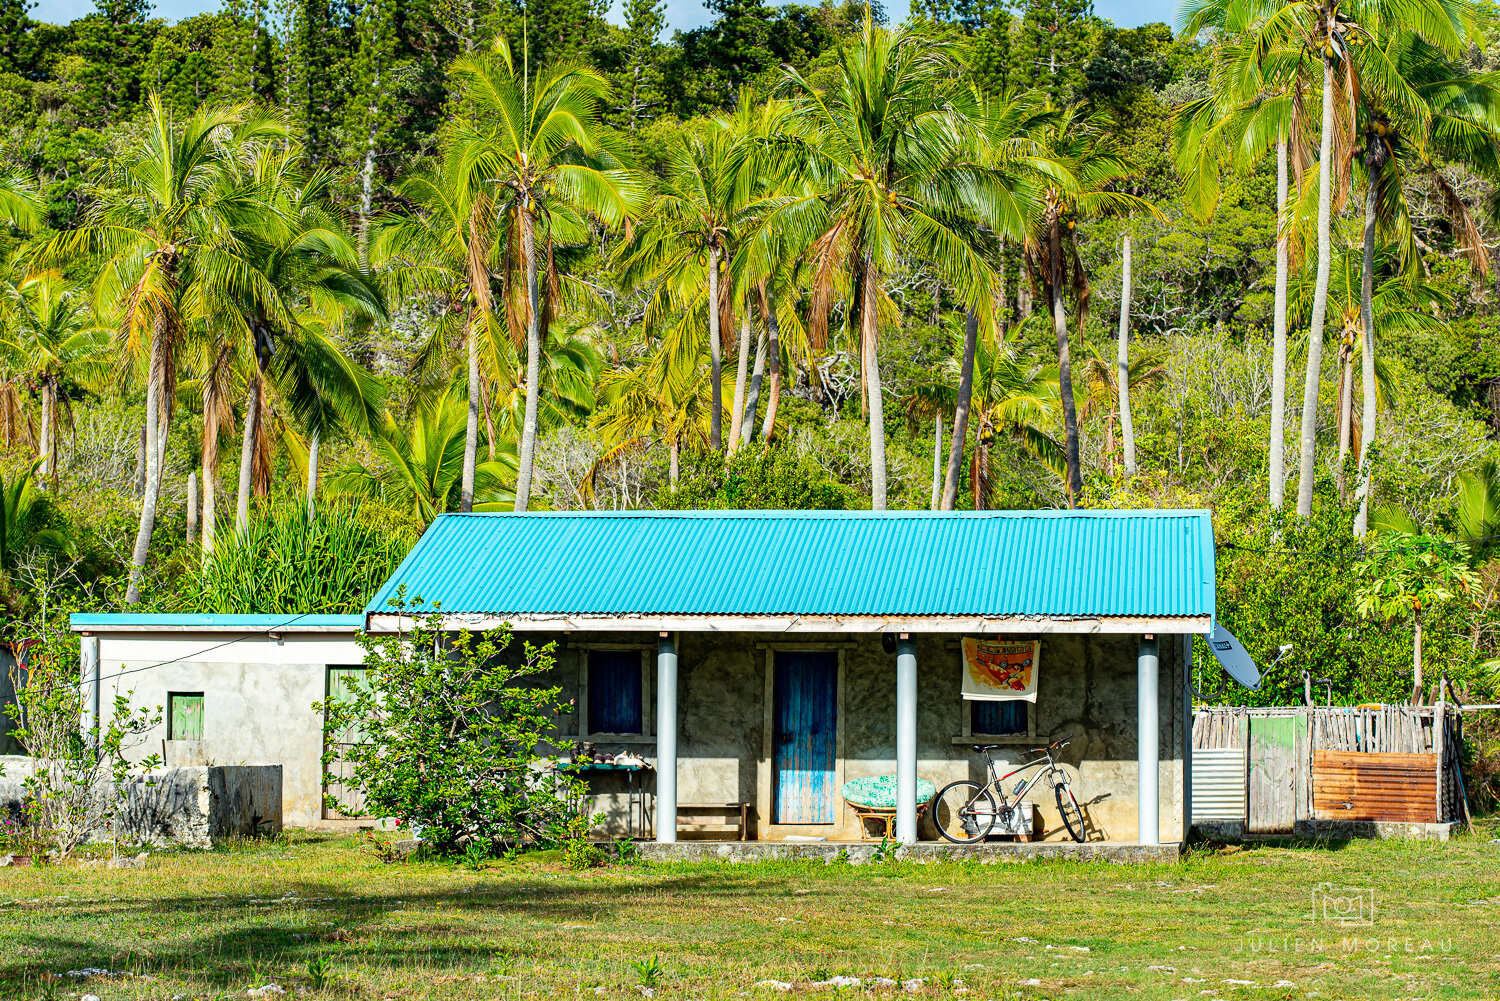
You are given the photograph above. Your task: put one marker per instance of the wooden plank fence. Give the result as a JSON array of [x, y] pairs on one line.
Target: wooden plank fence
[[1343, 762]]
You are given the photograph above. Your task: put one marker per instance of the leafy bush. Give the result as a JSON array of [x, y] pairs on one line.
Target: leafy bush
[[285, 562], [453, 744]]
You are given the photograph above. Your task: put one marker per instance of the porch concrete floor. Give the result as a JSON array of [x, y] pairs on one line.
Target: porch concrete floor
[[859, 852]]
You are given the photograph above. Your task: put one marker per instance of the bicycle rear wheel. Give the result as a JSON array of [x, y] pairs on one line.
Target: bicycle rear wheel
[[964, 812], [1067, 805]]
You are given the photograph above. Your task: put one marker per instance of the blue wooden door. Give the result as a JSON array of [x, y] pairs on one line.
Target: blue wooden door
[[805, 720]]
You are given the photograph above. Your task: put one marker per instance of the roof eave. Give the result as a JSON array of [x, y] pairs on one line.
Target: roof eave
[[385, 622]]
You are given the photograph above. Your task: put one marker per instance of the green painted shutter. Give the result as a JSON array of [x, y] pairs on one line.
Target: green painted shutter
[[184, 715]]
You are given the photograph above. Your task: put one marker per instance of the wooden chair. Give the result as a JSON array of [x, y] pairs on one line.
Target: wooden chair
[[722, 818]]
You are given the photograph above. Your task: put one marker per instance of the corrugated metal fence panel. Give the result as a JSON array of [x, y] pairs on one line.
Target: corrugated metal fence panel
[[1219, 783], [1374, 786], [992, 563]]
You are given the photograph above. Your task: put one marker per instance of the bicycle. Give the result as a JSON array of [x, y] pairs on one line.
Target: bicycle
[[965, 812]]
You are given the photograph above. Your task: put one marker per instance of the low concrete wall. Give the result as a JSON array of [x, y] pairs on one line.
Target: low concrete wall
[[176, 806], [863, 853], [1334, 830]]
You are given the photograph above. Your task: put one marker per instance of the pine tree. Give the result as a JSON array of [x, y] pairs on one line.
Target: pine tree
[[371, 111], [644, 20], [1054, 42], [234, 45], [114, 43], [17, 50]]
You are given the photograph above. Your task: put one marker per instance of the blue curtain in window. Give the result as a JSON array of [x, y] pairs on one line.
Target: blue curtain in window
[[999, 717], [615, 691]]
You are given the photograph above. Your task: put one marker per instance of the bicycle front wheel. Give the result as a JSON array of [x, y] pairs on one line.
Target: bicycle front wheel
[[1067, 805], [964, 812]]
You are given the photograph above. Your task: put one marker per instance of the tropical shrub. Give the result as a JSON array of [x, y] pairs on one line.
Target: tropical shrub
[[454, 743], [758, 476]]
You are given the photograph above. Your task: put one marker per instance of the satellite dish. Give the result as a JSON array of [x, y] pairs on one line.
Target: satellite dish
[[1231, 655]]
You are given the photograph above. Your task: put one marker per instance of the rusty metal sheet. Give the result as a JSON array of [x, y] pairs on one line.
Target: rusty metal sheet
[[1385, 786]]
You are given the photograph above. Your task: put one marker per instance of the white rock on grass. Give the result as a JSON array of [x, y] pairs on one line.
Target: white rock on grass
[[1030, 982], [774, 985], [266, 991], [89, 997], [839, 982], [912, 986]]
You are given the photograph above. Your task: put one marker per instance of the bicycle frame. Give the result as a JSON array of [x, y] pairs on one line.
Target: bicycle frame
[[997, 782]]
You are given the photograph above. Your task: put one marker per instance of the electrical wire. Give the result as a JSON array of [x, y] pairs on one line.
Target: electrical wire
[[256, 634]]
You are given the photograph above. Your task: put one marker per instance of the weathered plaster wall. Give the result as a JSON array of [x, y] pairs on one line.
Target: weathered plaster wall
[[258, 694], [1087, 688], [174, 806]]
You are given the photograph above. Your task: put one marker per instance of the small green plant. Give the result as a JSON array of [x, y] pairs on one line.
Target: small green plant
[[884, 852], [627, 852], [649, 971], [946, 981], [379, 849], [579, 854], [842, 858], [477, 855], [320, 973]]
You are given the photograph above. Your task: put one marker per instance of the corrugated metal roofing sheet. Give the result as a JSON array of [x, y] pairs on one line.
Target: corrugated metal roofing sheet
[[986, 563]]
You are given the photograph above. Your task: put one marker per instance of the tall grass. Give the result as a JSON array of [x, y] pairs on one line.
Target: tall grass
[[285, 562]]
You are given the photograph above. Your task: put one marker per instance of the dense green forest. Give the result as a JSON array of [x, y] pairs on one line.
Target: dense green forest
[[277, 280]]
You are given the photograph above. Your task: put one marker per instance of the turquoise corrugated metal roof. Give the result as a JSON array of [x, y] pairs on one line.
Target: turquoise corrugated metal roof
[[214, 621], [985, 563]]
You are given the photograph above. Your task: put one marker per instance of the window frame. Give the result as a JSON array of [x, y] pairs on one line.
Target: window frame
[[648, 715], [967, 734], [171, 714]]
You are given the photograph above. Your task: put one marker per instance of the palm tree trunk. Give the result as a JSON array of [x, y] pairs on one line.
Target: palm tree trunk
[[140, 455], [773, 351], [210, 474], [1122, 362], [1002, 300], [1307, 460], [741, 378], [312, 472], [1375, 157], [961, 412], [247, 453], [937, 461], [752, 396], [869, 330], [192, 506], [44, 446], [471, 425], [1345, 409], [674, 466], [1065, 368], [155, 377], [1416, 657], [715, 357], [533, 363], [1277, 485]]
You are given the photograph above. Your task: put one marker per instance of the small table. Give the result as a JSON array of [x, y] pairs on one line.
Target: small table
[[635, 790]]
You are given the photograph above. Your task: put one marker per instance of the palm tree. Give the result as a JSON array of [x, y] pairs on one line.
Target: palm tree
[[1081, 144], [167, 235], [420, 466], [1456, 117], [1400, 303], [538, 138], [1011, 393], [1259, 89], [448, 246], [888, 158], [1110, 382], [698, 214], [667, 400], [1346, 35], [313, 269], [50, 338]]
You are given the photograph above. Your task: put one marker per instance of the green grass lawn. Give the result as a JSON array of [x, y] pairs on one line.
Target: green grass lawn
[[1228, 924]]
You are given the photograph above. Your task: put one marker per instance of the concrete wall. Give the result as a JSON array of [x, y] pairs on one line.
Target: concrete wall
[[181, 806], [1087, 688], [258, 697], [258, 694]]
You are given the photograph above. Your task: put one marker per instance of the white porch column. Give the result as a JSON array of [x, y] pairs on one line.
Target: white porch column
[[666, 739], [89, 669], [1148, 734], [906, 740]]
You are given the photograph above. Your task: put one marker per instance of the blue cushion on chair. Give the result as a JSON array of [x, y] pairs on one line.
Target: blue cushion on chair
[[879, 791]]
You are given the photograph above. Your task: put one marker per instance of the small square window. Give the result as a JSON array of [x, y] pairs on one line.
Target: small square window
[[614, 692], [184, 715], [999, 719]]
